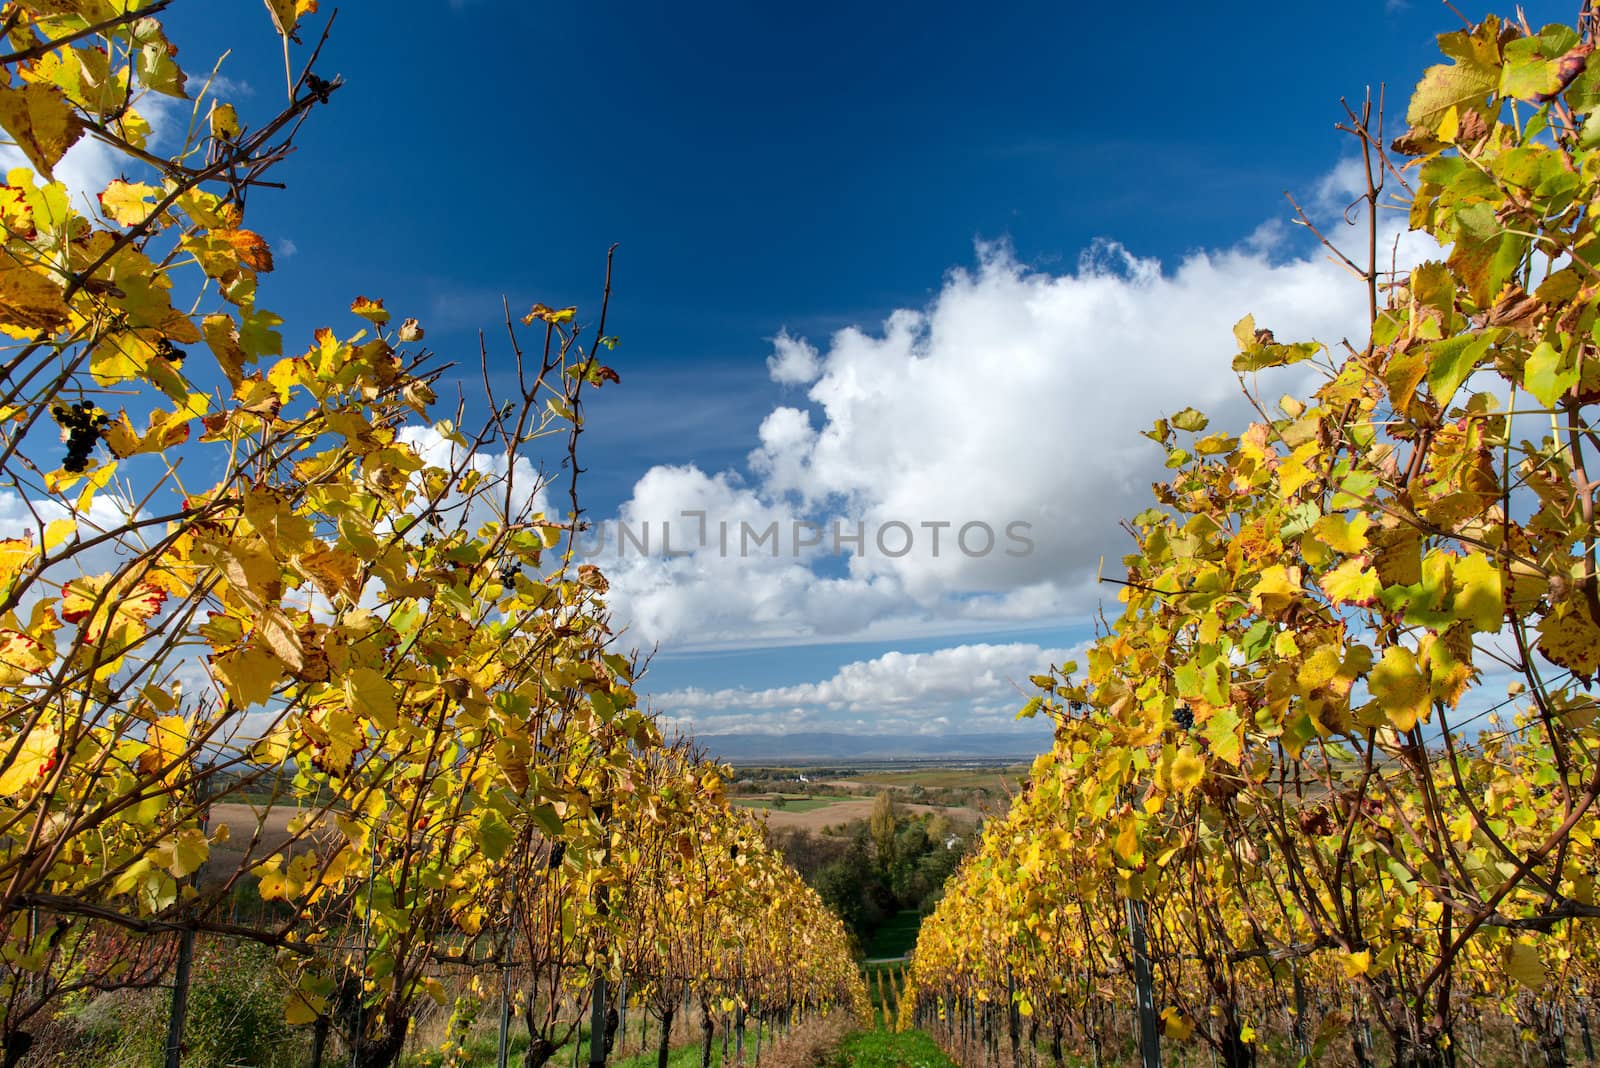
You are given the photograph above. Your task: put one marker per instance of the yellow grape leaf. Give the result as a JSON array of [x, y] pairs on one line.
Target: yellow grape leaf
[[15, 553], [119, 357], [224, 122], [1400, 687], [1187, 771], [495, 835], [1523, 964], [1175, 1025], [371, 310], [1462, 84], [278, 632], [333, 570], [87, 602], [1222, 733], [17, 215], [250, 675], [1570, 638], [1352, 582], [135, 128], [1357, 963], [249, 246], [1447, 659], [128, 203], [165, 741], [1398, 554], [42, 123], [29, 301], [222, 252], [275, 745], [1296, 470], [1126, 843], [189, 850], [298, 1008], [58, 531], [1276, 589], [549, 315], [96, 480], [1479, 595], [166, 430], [22, 655], [371, 696], [285, 16], [222, 338], [1548, 373], [1342, 535], [38, 756]]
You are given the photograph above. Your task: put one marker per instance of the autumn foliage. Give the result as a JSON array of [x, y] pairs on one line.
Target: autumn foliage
[[1340, 747], [272, 575]]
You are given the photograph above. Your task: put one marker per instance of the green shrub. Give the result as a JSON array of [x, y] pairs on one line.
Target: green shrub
[[236, 1010], [235, 1018]]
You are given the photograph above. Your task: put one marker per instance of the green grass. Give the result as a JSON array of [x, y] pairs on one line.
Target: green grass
[[896, 937], [805, 803], [889, 1049]]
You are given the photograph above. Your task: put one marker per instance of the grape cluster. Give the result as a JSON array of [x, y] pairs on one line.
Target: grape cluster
[[83, 423], [1183, 716], [320, 87], [169, 352]]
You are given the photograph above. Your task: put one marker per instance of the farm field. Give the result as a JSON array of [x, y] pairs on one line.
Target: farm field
[[243, 822], [834, 811], [784, 803], [1008, 777]]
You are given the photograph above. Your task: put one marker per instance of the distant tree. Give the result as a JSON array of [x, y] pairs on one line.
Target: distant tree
[[806, 852], [882, 826], [912, 840]]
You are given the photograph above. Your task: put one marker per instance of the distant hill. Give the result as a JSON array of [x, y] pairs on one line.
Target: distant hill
[[813, 746]]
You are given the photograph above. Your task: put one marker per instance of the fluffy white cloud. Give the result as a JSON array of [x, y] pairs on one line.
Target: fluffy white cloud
[[975, 687], [1011, 402], [529, 487], [793, 361]]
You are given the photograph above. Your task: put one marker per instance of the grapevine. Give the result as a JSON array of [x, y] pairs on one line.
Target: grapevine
[[1337, 760]]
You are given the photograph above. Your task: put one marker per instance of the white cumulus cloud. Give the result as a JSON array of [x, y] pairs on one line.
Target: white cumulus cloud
[[971, 687], [991, 434]]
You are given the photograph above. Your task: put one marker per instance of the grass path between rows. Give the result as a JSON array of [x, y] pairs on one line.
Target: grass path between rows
[[890, 1049], [810, 1048]]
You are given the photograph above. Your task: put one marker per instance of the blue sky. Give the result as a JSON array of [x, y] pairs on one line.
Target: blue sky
[[1061, 207]]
